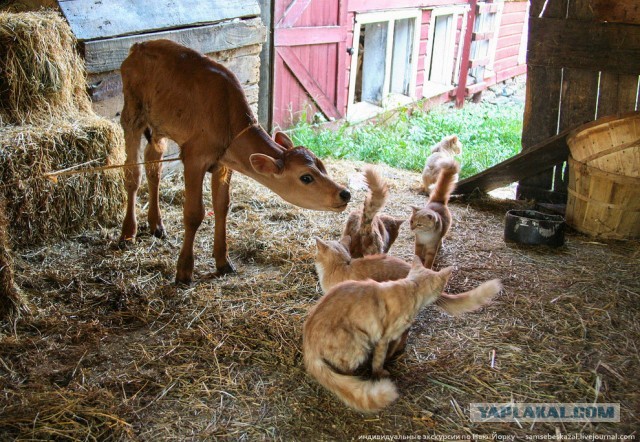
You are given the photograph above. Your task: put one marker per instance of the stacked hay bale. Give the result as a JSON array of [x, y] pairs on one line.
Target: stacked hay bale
[[46, 124]]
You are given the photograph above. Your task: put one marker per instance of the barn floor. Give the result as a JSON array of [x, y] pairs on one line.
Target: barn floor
[[113, 350]]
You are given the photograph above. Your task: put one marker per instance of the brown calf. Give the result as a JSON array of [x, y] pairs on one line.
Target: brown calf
[[173, 92]]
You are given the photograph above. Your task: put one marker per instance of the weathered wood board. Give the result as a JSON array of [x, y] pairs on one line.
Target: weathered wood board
[[108, 55], [526, 164], [98, 19]]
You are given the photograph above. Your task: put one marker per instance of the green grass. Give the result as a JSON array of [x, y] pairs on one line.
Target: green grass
[[489, 135]]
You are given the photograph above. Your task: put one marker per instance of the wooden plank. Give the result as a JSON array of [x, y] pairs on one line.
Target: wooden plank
[[584, 45], [91, 19], [477, 36], [466, 52], [617, 11], [540, 120], [478, 62], [512, 18], [618, 93], [579, 95], [309, 35], [265, 101], [377, 5], [342, 82], [293, 12], [107, 55], [527, 163], [486, 8], [308, 82], [509, 40]]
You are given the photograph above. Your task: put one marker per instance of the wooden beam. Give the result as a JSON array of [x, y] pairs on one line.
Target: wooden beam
[[91, 20], [309, 35], [530, 162], [582, 44], [108, 55], [527, 163]]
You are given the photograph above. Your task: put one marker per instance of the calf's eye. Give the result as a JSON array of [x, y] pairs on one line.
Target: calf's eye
[[306, 179]]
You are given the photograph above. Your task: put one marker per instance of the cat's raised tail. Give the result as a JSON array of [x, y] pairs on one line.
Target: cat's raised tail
[[376, 197], [446, 182], [368, 396], [469, 301]]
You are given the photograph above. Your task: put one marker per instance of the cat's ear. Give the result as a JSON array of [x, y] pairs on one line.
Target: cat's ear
[[320, 245], [446, 273], [346, 241], [416, 263], [415, 209], [453, 139]]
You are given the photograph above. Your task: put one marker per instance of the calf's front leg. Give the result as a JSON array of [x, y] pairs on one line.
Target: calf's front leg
[[220, 178]]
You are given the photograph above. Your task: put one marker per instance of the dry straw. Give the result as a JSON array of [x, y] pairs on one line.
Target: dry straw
[[41, 73], [40, 210], [116, 351]]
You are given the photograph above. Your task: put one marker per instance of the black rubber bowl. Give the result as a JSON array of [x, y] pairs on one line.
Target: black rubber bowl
[[532, 227]]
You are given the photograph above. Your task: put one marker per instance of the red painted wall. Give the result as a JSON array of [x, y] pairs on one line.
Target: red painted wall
[[290, 97]]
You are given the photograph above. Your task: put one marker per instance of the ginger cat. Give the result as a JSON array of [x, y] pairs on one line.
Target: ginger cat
[[441, 153], [370, 231], [431, 223], [334, 265], [350, 329]]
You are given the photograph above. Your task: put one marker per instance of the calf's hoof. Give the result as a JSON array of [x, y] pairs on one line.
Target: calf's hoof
[[183, 280], [159, 232], [226, 269]]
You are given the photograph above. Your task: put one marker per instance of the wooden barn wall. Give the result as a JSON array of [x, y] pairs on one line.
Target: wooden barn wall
[[506, 64], [322, 62], [583, 63]]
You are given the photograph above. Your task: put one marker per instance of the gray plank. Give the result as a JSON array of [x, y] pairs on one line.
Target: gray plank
[[108, 55], [97, 19]]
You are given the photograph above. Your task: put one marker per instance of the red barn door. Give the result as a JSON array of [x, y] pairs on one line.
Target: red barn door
[[310, 59]]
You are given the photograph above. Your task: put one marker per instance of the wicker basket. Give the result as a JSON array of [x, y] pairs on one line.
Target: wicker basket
[[604, 178]]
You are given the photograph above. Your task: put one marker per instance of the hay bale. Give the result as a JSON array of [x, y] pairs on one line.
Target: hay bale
[[40, 210], [41, 72], [10, 298]]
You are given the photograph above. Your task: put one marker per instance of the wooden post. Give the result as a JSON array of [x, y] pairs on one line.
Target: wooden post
[[466, 50]]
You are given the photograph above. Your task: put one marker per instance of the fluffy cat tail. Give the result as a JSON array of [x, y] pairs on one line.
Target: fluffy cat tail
[[363, 395], [469, 301], [446, 181], [377, 196]]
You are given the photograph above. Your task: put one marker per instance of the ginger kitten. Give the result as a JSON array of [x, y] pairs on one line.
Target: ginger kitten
[[431, 223], [350, 329], [334, 265], [441, 153], [370, 231]]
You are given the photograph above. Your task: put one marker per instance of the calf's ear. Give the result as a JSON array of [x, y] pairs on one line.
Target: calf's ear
[[283, 140], [265, 165]]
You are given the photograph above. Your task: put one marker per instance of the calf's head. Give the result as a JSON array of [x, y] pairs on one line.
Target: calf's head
[[300, 178]]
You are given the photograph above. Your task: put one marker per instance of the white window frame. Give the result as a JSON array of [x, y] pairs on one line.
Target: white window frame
[[431, 89], [389, 17]]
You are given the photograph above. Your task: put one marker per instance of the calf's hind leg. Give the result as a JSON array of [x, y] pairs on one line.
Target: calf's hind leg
[[133, 128], [153, 152], [193, 211]]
